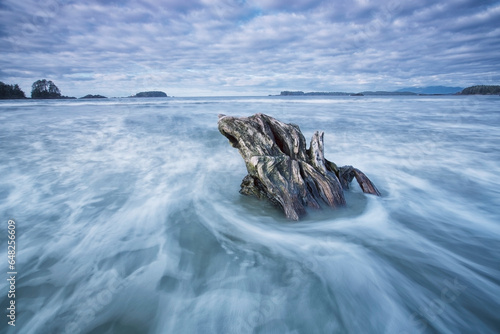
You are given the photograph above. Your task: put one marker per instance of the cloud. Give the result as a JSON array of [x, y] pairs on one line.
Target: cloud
[[286, 6], [247, 47]]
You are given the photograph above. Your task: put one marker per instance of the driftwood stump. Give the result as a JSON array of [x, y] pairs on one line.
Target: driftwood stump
[[281, 168]]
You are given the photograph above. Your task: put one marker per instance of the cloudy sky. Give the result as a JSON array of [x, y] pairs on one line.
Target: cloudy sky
[[248, 47]]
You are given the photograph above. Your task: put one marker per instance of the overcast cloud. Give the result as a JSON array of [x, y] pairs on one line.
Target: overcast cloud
[[258, 47]]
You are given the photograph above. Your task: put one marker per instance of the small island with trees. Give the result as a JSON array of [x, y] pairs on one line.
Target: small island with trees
[[90, 96], [46, 89], [154, 93]]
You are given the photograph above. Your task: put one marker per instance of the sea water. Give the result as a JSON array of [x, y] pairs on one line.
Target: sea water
[[128, 219]]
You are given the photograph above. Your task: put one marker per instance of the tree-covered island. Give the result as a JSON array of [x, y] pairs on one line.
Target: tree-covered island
[[154, 93], [46, 89], [90, 96]]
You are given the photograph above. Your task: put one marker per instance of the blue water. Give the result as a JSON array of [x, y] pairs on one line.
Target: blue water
[[129, 220]]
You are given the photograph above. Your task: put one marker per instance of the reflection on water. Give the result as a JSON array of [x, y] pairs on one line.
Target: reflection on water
[[129, 219]]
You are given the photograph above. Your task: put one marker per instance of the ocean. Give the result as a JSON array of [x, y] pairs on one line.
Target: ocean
[[128, 219]]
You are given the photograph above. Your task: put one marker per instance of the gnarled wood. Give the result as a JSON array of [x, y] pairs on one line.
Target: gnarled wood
[[281, 168]]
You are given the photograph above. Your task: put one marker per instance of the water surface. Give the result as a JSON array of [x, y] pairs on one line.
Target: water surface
[[129, 219]]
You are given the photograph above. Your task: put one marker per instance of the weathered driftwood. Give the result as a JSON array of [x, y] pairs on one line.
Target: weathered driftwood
[[281, 168]]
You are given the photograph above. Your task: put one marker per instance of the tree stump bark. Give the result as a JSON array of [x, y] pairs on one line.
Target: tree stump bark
[[282, 170]]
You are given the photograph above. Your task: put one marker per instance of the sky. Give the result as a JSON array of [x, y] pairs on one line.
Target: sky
[[254, 47]]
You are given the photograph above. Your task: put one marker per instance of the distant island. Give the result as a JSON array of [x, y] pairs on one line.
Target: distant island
[[90, 96], [383, 92], [481, 90], [301, 93], [153, 93], [432, 90], [424, 91]]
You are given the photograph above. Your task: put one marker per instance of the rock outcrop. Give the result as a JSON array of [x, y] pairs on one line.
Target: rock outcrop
[[282, 169]]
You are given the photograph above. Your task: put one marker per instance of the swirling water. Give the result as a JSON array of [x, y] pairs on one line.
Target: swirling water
[[129, 219]]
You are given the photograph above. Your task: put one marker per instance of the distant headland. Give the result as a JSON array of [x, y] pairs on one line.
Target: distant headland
[[11, 92], [481, 90]]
